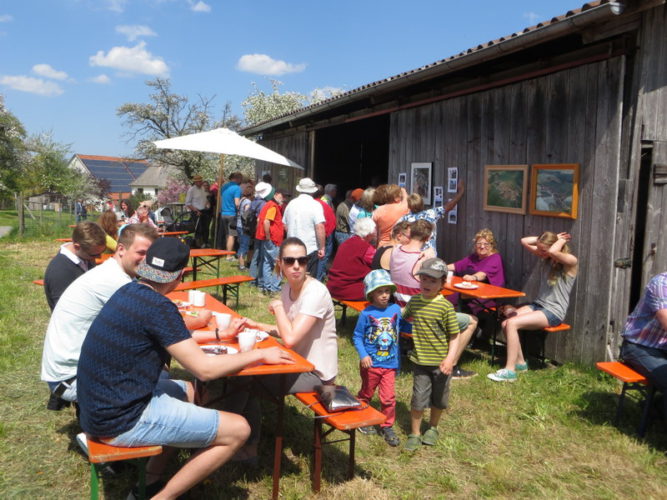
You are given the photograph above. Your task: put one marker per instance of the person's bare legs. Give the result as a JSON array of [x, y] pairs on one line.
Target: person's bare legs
[[526, 319], [465, 336], [233, 431], [230, 244], [436, 413]]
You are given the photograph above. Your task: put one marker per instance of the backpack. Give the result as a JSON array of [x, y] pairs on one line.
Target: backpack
[[249, 217]]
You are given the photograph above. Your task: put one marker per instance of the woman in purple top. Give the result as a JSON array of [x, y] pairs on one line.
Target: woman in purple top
[[485, 264]]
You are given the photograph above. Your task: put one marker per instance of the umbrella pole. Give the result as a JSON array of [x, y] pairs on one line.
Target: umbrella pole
[[218, 217]]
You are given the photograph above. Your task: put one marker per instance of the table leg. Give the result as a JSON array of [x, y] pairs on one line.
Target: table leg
[[194, 268], [278, 450], [317, 456]]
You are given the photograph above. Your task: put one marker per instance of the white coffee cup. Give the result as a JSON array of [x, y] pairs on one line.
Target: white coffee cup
[[247, 340], [199, 299], [450, 275], [222, 320], [191, 296]]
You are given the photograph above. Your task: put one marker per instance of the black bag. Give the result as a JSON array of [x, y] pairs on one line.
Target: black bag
[[336, 398], [249, 222]]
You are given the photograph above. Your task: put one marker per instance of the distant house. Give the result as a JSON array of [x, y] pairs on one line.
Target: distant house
[[118, 172], [152, 180]]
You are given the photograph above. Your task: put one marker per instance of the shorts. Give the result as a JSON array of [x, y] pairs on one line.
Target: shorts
[[552, 319], [228, 225], [430, 388], [169, 420], [463, 320]]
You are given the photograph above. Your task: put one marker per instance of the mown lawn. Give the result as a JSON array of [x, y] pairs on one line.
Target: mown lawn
[[547, 435]]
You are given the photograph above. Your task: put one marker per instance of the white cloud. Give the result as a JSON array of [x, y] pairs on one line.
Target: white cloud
[[116, 5], [262, 64], [533, 17], [199, 6], [49, 71], [31, 85], [132, 32], [6, 18], [102, 79], [132, 60]]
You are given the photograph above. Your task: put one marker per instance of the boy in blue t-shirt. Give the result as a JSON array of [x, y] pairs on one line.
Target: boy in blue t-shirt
[[376, 340]]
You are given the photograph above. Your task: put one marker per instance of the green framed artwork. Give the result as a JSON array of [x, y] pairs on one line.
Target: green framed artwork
[[505, 188]]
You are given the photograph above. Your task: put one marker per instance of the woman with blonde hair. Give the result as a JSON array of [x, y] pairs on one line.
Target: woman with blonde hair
[[558, 271], [109, 223]]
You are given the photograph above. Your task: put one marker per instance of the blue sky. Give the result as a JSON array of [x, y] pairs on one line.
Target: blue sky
[[67, 65]]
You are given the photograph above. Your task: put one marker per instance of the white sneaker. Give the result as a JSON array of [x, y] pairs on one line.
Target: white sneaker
[[82, 442]]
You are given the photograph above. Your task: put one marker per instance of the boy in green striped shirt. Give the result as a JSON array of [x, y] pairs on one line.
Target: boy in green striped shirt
[[435, 332]]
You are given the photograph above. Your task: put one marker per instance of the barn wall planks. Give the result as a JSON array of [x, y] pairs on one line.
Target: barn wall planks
[[296, 148], [567, 117]]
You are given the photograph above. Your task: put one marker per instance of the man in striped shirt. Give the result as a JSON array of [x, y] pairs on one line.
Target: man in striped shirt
[[645, 335], [435, 332]]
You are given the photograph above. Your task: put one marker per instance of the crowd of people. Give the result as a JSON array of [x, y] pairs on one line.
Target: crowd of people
[[113, 332]]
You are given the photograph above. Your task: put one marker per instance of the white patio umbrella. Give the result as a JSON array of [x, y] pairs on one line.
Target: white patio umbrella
[[226, 142], [223, 141]]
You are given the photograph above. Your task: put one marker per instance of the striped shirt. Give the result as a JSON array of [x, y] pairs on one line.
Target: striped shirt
[[642, 326], [433, 324]]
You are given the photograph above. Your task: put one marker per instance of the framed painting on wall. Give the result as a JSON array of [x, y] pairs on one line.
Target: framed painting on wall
[[420, 180], [554, 190], [505, 188]]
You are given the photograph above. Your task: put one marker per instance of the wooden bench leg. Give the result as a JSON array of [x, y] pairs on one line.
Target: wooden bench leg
[[619, 408], [350, 470], [317, 456], [646, 412]]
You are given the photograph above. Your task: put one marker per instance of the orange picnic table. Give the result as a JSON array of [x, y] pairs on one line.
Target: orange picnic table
[[481, 290], [174, 233], [209, 257], [301, 365]]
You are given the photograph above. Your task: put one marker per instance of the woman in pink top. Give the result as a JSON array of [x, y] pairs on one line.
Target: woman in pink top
[[393, 201], [406, 261]]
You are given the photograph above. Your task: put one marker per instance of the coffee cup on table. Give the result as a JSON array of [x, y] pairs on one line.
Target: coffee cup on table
[[199, 299], [222, 320], [247, 340], [450, 275]]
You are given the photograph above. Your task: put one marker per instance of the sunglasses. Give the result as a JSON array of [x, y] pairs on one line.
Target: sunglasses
[[291, 260]]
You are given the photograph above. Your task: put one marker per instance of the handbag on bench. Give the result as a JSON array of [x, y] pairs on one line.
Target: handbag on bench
[[336, 398]]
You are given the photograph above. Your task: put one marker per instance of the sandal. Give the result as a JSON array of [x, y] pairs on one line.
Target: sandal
[[390, 436], [414, 441]]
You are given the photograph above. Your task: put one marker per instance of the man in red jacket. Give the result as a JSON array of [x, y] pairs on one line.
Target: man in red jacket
[[269, 234]]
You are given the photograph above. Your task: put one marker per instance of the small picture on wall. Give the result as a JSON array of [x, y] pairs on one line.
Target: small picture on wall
[[452, 216], [403, 180], [505, 188], [437, 196], [453, 173], [451, 187], [555, 190], [421, 180]]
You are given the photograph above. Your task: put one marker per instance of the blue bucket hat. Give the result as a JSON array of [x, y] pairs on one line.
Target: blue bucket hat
[[377, 279]]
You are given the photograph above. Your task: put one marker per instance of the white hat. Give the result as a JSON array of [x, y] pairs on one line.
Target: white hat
[[306, 185], [262, 189]]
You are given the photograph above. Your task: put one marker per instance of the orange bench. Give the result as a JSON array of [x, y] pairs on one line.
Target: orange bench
[[632, 380], [99, 452], [229, 284], [345, 421], [522, 333], [357, 305]]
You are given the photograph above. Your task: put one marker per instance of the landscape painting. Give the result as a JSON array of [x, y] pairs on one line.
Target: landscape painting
[[505, 188], [555, 190]]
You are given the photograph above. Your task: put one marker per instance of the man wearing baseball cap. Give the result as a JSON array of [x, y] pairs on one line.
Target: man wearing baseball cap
[[123, 400]]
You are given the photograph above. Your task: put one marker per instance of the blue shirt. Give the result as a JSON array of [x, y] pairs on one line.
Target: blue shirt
[[642, 326], [122, 356], [376, 335], [230, 191]]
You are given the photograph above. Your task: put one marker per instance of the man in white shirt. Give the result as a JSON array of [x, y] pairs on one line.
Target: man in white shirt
[[304, 219], [197, 202], [80, 305]]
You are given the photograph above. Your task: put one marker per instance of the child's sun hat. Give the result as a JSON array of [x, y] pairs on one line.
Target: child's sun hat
[[377, 279]]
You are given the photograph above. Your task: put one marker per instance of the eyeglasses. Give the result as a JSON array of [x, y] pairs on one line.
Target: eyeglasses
[[291, 260], [482, 245]]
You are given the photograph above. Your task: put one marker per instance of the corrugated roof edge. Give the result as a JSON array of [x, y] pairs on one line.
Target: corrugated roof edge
[[259, 127]]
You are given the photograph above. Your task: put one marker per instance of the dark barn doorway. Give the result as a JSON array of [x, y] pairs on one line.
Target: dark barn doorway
[[353, 155]]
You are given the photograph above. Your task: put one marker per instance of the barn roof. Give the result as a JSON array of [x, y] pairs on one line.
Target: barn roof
[[570, 22], [119, 172]]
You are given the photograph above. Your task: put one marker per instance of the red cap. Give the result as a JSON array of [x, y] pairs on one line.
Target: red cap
[[356, 194]]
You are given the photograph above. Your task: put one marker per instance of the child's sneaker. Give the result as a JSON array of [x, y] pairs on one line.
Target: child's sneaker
[[430, 437], [503, 375], [369, 430], [390, 436], [414, 441], [521, 367]]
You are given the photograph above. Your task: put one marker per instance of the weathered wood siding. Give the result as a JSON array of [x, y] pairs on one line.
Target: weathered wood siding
[[573, 116], [296, 148]]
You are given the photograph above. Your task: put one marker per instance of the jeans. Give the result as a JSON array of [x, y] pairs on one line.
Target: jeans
[[341, 237], [322, 264], [253, 269], [650, 362], [266, 278], [244, 244]]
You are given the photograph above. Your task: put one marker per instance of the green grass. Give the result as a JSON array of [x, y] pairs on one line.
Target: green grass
[[41, 224], [547, 435]]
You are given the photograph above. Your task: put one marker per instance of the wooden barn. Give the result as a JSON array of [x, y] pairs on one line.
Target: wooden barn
[[587, 88]]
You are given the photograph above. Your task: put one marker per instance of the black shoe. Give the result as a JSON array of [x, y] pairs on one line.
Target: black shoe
[[56, 403], [390, 436], [458, 373], [151, 490]]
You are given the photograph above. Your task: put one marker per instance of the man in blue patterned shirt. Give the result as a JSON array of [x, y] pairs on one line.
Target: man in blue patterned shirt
[[645, 335]]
